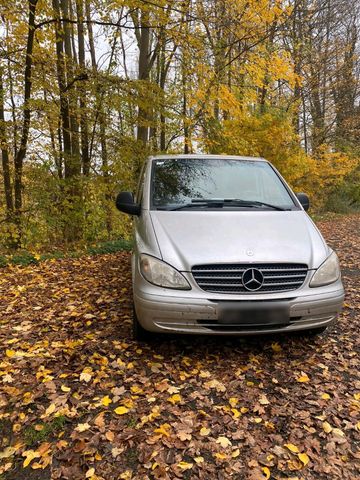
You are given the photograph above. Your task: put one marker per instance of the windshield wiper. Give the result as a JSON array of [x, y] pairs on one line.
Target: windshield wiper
[[237, 202], [252, 203], [196, 204], [219, 203]]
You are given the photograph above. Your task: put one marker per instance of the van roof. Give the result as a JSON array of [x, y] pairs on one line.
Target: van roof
[[200, 155]]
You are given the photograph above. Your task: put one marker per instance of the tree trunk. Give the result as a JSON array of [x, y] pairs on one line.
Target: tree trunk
[[5, 155], [345, 90], [106, 175], [85, 159], [297, 40], [61, 78], [162, 80], [73, 168], [72, 189], [185, 112], [144, 73], [90, 33], [19, 157], [13, 106]]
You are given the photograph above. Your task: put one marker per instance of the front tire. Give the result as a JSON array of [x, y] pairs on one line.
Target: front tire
[[138, 331]]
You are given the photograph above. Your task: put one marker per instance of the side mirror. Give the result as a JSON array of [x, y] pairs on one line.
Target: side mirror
[[125, 203], [304, 200]]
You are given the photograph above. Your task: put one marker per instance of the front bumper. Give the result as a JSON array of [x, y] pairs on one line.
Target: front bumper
[[169, 313], [197, 312]]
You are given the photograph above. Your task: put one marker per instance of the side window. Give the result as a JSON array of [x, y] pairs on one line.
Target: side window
[[140, 185]]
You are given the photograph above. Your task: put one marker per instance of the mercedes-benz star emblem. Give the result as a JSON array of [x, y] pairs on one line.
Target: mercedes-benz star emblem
[[252, 279]]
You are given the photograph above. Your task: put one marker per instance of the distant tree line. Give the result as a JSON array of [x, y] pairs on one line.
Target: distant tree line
[[89, 88]]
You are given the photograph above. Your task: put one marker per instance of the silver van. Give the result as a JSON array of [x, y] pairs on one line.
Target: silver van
[[222, 246]]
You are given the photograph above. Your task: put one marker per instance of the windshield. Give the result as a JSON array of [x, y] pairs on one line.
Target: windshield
[[214, 183]]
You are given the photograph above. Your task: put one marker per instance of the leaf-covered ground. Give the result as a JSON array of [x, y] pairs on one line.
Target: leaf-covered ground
[[79, 399]]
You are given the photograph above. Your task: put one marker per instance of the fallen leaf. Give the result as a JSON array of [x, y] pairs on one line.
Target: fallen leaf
[[106, 401], [304, 459], [220, 456], [90, 472], [185, 465], [263, 400], [233, 401], [85, 377], [30, 455], [174, 399], [235, 453], [127, 475], [266, 472], [224, 442], [293, 448], [8, 452], [235, 412], [99, 420], [327, 427], [116, 451], [276, 347], [121, 410], [51, 409], [218, 386], [164, 429], [82, 427]]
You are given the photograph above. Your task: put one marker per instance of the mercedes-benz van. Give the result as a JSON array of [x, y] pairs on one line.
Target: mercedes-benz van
[[223, 246]]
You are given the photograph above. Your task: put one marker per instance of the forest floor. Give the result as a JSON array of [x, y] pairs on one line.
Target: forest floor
[[79, 399]]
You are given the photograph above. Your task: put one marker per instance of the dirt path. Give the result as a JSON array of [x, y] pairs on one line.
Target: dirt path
[[79, 399]]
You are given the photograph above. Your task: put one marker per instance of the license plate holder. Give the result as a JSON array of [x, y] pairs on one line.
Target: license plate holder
[[254, 314]]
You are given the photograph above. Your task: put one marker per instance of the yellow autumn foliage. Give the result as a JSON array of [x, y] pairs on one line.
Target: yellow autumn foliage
[[271, 135]]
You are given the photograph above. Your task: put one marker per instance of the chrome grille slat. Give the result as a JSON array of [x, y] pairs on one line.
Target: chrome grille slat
[[222, 277], [290, 275], [222, 271], [228, 278], [201, 269], [218, 284], [201, 284], [266, 277]]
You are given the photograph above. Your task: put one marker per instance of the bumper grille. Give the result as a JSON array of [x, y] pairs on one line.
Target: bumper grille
[[227, 278]]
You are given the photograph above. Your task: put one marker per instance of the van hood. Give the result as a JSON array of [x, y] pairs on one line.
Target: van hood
[[189, 238]]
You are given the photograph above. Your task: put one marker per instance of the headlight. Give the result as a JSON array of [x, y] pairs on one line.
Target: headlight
[[327, 273], [161, 274]]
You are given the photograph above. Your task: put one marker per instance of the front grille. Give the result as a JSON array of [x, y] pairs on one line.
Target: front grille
[[227, 278]]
